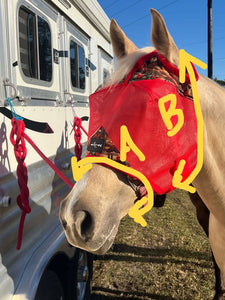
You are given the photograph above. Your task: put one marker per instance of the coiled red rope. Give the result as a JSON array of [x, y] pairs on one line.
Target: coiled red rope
[[77, 137], [17, 139]]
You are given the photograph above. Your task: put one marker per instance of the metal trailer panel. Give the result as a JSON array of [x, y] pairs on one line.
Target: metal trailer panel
[[43, 237]]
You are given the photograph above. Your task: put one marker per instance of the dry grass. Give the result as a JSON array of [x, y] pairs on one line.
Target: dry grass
[[169, 259]]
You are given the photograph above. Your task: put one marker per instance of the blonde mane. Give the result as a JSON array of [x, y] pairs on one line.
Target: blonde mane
[[125, 64]]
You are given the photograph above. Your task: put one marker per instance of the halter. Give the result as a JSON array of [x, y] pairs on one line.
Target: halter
[[151, 76]]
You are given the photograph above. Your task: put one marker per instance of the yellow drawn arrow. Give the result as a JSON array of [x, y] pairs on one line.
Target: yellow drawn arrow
[[79, 168], [185, 64]]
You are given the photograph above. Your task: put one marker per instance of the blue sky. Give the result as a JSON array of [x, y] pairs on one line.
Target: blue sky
[[186, 22]]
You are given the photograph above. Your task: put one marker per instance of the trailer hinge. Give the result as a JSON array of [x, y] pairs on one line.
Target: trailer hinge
[[59, 53]]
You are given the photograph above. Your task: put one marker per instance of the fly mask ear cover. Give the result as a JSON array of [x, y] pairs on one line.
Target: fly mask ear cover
[[135, 103]]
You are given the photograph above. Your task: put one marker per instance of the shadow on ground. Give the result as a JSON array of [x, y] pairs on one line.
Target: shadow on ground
[[118, 295]]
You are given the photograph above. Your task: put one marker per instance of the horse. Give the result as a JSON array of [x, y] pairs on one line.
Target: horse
[[91, 213], [202, 214]]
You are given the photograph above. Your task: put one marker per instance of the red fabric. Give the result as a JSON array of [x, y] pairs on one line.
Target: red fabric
[[168, 66], [135, 104]]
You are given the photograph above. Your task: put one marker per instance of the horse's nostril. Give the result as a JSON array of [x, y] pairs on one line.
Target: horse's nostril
[[82, 224], [64, 223]]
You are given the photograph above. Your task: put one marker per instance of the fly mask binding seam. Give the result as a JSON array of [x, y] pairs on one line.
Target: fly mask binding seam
[[148, 68]]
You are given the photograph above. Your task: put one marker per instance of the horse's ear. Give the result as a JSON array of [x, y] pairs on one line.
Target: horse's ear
[[120, 42], [162, 40]]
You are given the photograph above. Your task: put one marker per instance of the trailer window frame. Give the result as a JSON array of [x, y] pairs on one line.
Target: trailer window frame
[[105, 75], [77, 60], [34, 71]]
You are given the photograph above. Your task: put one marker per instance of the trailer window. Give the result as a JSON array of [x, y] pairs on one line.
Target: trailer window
[[45, 50], [35, 45], [77, 65], [105, 76]]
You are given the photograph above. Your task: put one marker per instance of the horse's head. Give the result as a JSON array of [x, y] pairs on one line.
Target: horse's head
[[91, 213]]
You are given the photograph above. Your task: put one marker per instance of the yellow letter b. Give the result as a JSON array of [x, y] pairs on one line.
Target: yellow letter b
[[168, 114]]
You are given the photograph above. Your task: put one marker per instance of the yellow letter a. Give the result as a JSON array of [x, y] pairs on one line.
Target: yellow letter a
[[127, 144]]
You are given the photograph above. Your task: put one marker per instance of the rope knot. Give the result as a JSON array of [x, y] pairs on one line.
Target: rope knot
[[17, 139]]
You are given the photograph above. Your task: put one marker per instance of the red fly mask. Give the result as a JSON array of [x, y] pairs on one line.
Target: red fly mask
[[134, 103]]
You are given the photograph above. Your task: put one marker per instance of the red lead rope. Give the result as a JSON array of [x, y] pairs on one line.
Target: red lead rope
[[17, 139], [77, 137]]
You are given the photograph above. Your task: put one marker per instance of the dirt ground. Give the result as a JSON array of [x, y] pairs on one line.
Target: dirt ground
[[168, 259]]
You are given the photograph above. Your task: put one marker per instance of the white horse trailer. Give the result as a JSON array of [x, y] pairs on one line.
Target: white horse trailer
[[54, 54]]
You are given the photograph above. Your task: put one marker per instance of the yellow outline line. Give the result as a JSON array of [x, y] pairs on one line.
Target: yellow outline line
[[185, 63], [79, 168]]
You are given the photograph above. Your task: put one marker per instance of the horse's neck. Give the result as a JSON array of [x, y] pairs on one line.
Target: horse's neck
[[210, 181], [212, 99]]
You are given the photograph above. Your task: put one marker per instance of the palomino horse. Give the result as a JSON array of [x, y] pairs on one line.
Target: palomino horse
[[91, 213]]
